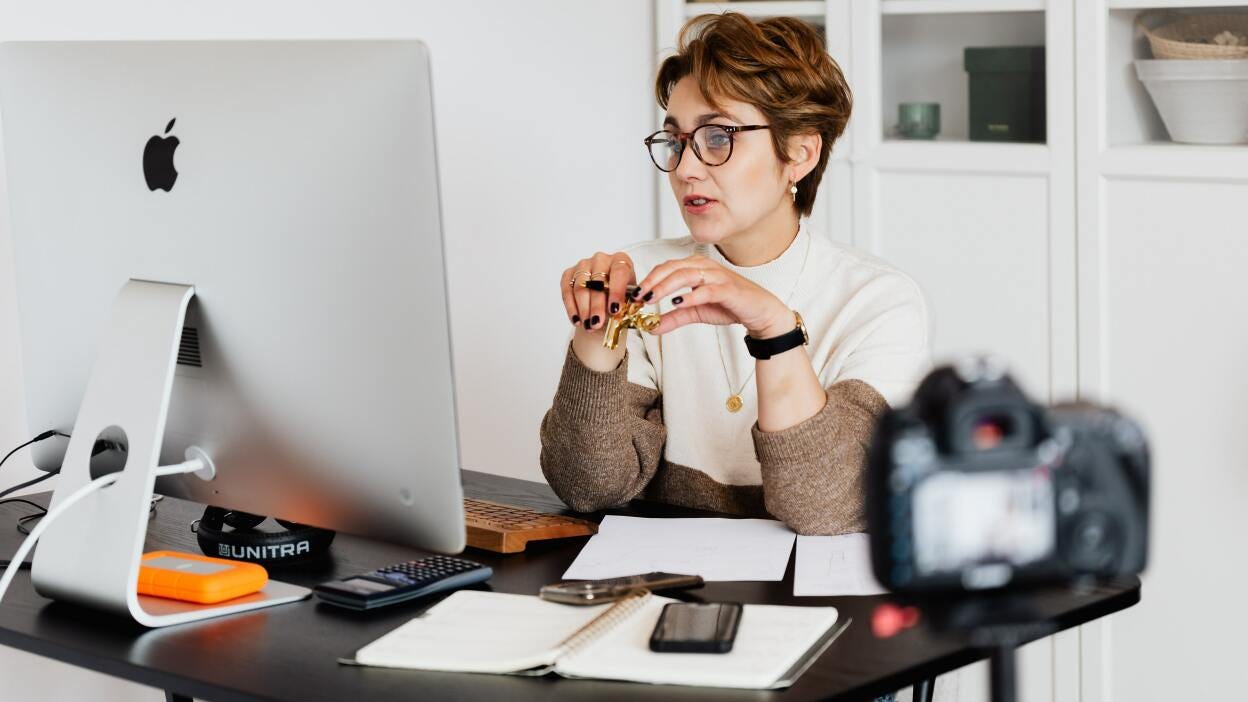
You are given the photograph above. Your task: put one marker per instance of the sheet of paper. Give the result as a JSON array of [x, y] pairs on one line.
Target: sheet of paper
[[716, 549], [834, 565]]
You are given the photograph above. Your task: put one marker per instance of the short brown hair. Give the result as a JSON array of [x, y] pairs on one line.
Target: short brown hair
[[780, 65]]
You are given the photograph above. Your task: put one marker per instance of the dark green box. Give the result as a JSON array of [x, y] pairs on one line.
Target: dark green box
[[1006, 93]]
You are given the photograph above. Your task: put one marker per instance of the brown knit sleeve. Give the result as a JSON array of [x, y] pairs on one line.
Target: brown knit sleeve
[[813, 473], [602, 438]]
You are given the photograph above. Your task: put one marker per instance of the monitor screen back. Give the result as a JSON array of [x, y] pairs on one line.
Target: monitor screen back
[[315, 366]]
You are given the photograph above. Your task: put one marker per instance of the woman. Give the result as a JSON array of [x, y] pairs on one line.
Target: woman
[[753, 109]]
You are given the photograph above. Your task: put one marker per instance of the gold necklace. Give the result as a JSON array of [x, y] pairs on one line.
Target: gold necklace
[[734, 403]]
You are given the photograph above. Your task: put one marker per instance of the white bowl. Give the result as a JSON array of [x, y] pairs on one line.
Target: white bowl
[[1201, 102]]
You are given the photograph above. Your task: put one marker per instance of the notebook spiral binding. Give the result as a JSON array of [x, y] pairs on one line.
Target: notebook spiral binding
[[616, 613]]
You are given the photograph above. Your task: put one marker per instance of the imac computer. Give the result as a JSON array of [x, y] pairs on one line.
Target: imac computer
[[229, 252]]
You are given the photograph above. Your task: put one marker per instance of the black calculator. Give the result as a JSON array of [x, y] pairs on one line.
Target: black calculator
[[403, 581]]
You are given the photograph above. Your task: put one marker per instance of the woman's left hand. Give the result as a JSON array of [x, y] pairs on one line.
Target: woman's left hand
[[719, 296]]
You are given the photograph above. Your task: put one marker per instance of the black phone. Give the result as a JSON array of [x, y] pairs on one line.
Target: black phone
[[696, 627]]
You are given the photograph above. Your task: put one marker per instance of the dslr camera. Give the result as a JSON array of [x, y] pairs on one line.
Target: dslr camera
[[972, 487]]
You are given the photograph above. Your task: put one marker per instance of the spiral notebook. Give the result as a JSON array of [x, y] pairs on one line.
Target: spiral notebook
[[490, 632]]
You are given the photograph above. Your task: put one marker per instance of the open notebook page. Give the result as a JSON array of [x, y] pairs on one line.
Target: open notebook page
[[480, 632], [770, 640]]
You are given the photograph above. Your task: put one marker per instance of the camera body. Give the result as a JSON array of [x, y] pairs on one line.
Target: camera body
[[973, 487]]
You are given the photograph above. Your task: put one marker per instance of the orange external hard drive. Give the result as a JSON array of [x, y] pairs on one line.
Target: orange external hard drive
[[200, 579]]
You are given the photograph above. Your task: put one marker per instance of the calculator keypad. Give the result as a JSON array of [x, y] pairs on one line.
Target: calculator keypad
[[425, 570], [407, 581]]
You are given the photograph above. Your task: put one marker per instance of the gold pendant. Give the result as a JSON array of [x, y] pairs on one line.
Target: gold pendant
[[734, 403]]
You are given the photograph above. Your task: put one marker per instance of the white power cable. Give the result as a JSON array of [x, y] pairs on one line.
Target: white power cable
[[191, 466]]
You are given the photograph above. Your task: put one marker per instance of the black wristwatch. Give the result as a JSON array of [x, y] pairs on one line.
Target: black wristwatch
[[763, 349]]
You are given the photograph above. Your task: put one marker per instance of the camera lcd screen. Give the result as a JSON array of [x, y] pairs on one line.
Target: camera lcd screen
[[969, 519]]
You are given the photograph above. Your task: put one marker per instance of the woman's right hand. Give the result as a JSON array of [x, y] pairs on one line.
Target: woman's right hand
[[588, 310]]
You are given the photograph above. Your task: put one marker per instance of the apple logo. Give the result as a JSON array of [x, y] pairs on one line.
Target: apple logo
[[158, 167]]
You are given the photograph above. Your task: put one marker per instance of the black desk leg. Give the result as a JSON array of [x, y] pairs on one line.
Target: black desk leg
[[175, 697], [923, 691]]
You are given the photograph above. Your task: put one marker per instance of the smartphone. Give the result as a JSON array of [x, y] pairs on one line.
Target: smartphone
[[696, 627], [589, 592]]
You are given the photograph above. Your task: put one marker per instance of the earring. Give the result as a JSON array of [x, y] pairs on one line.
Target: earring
[[793, 190]]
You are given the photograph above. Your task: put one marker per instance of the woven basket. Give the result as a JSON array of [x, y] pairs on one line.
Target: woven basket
[[1191, 36]]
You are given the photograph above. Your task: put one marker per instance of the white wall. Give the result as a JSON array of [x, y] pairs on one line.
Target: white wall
[[508, 77]]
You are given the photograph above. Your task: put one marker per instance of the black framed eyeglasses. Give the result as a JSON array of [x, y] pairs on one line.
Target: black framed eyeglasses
[[712, 144]]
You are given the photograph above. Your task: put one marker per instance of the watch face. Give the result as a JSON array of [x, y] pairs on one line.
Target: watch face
[[802, 325]]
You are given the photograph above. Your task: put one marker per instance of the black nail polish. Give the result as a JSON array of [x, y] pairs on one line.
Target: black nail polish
[[587, 324], [576, 319], [648, 296], [594, 322], [677, 300], [615, 307]]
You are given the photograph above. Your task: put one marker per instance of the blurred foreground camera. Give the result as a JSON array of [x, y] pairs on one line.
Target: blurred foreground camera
[[973, 487]]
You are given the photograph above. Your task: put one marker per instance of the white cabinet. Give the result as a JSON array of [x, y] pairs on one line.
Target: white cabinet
[[986, 228], [1162, 334], [1107, 263]]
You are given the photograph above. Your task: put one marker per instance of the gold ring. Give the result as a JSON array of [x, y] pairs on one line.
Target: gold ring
[[621, 261], [597, 276]]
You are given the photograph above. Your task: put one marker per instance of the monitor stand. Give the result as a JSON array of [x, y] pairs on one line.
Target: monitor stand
[[90, 554]]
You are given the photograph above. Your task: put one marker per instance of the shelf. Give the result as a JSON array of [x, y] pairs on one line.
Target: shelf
[[963, 157], [922, 59], [1131, 116], [931, 7], [1169, 160], [804, 9], [1172, 4]]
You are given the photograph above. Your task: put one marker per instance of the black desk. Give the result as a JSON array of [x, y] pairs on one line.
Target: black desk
[[288, 652]]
